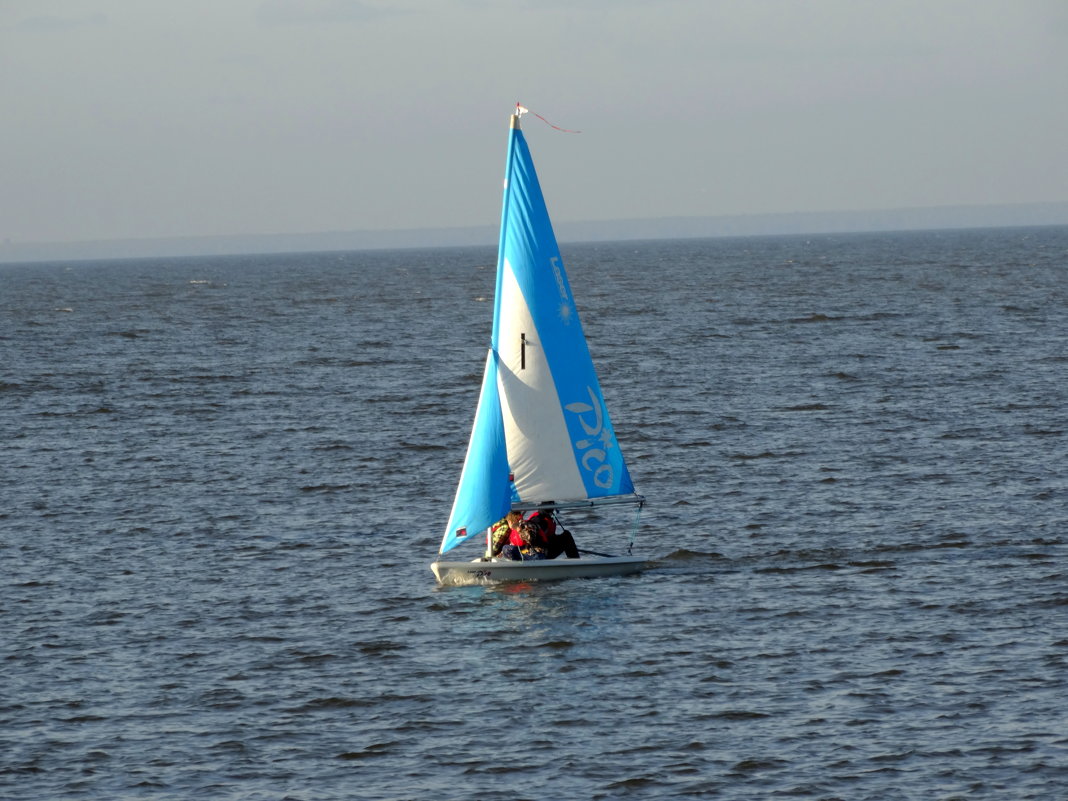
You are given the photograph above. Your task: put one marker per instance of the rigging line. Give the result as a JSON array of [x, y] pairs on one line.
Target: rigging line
[[557, 127], [520, 110], [634, 529]]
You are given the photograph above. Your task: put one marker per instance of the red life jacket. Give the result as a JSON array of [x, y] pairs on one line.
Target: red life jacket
[[545, 523]]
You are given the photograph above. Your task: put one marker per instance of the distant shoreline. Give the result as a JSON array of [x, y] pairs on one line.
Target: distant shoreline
[[931, 218]]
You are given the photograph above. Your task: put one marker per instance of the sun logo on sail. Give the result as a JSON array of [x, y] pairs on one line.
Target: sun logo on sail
[[598, 441], [566, 307]]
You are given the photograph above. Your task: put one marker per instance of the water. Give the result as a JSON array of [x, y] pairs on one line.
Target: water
[[223, 479]]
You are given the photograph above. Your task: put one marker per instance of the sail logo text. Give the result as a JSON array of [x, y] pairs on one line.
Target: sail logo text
[[598, 440], [561, 285]]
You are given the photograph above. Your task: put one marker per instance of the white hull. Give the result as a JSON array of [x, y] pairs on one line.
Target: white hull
[[480, 572]]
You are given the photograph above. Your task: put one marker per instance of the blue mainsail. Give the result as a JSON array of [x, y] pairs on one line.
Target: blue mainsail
[[541, 430]]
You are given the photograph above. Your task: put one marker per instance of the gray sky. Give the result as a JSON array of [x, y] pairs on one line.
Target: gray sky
[[137, 118]]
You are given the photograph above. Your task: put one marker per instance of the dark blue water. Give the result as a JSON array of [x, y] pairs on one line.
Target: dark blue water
[[222, 481]]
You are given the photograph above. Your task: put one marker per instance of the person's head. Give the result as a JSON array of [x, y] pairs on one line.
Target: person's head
[[528, 532], [514, 518]]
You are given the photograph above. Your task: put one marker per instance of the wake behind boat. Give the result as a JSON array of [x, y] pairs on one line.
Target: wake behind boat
[[542, 438]]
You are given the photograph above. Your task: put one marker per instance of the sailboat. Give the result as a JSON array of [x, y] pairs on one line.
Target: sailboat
[[542, 438]]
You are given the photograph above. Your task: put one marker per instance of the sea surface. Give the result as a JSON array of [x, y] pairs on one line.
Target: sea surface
[[222, 481]]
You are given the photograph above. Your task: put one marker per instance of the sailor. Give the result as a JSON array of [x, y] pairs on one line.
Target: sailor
[[501, 531], [525, 542], [556, 539], [532, 543]]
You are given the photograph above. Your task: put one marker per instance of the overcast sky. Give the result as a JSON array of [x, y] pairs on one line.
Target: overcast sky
[[137, 118]]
